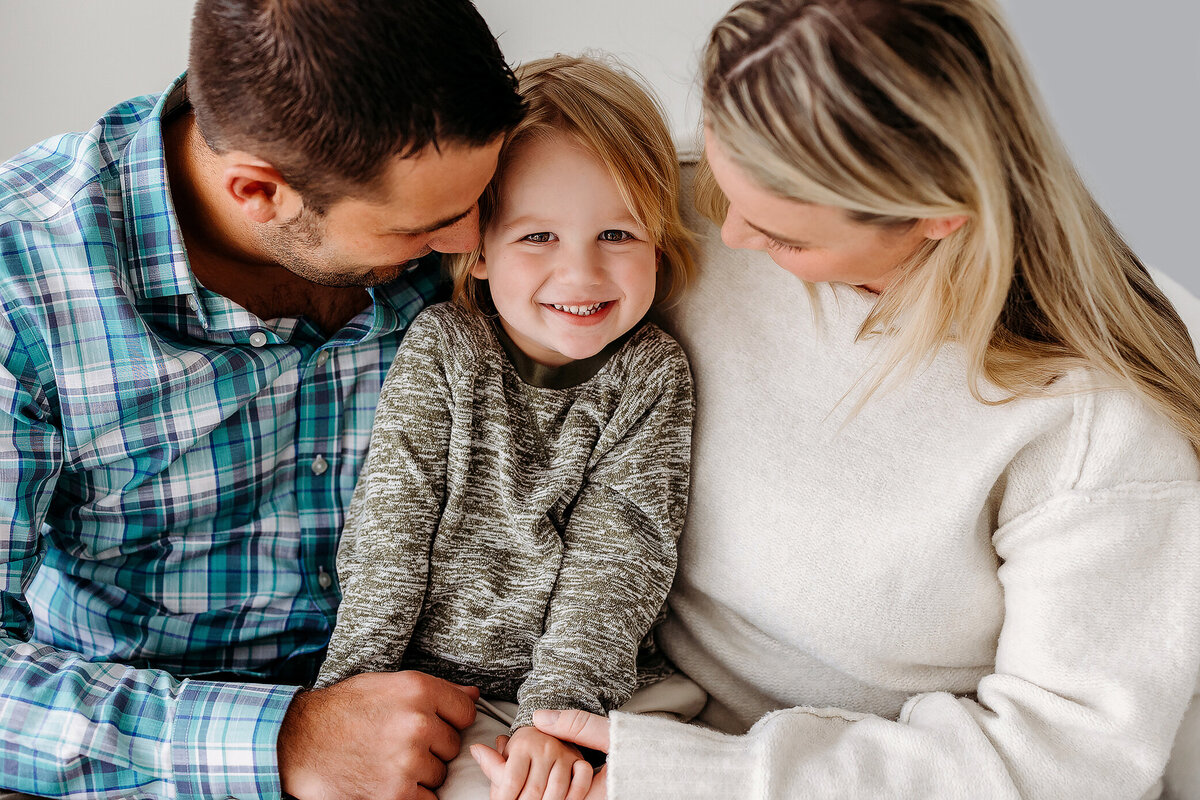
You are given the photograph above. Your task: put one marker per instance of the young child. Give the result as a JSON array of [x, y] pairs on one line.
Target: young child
[[514, 527]]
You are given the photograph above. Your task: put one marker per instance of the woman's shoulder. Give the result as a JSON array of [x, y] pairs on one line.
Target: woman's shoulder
[[1096, 438], [1119, 437]]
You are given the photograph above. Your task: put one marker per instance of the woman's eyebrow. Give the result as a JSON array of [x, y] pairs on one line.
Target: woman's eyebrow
[[777, 237]]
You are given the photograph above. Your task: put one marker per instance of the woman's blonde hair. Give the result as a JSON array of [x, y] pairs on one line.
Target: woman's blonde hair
[[613, 117], [899, 110]]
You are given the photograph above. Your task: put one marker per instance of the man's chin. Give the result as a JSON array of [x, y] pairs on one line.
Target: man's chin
[[376, 276]]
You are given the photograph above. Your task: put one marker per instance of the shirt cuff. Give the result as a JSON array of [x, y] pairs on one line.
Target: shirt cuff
[[223, 741], [657, 758]]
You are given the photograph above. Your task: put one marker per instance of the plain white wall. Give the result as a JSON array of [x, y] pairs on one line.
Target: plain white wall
[[1122, 81]]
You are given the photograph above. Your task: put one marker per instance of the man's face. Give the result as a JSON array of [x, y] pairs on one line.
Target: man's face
[[425, 202]]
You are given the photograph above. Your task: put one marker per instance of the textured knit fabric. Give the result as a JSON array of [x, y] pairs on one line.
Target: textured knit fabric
[[175, 474], [936, 598], [515, 537]]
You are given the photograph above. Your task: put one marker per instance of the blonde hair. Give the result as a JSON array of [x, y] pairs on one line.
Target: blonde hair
[[899, 110], [613, 117]]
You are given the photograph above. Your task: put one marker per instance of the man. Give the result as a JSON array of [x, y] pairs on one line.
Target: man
[[201, 297]]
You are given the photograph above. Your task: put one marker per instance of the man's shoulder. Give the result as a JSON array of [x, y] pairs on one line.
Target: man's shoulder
[[63, 209], [46, 180]]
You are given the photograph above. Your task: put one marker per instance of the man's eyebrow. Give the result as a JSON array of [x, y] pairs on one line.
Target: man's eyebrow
[[436, 226], [777, 237]]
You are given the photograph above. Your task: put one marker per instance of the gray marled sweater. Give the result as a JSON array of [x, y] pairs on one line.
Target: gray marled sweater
[[515, 525]]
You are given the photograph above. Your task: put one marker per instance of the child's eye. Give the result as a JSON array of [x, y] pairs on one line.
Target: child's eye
[[615, 236], [775, 244], [544, 237]]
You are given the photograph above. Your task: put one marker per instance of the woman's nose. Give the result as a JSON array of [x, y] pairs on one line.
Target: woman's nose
[[735, 233]]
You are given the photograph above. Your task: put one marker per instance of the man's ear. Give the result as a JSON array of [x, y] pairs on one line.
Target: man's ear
[[479, 268], [259, 189], [941, 227]]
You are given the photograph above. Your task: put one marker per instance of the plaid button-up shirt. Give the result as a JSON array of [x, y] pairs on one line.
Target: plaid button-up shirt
[[174, 474]]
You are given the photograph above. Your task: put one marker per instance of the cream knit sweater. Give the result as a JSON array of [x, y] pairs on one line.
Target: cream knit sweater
[[936, 598]]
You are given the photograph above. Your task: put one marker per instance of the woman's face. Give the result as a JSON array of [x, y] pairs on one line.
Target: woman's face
[[817, 243]]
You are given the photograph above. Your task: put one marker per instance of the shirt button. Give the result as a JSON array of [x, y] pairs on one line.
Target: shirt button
[[319, 465], [258, 339], [322, 357], [191, 301], [324, 579]]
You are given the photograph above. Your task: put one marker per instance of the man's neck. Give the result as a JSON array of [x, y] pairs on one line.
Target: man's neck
[[223, 248]]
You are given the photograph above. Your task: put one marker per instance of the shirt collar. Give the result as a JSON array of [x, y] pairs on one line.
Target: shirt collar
[[158, 258]]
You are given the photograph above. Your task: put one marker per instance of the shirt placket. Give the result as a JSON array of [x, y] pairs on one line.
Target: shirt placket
[[319, 471]]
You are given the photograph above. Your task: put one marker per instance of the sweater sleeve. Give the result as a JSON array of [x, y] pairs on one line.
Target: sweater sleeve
[[1094, 666], [618, 558], [383, 555]]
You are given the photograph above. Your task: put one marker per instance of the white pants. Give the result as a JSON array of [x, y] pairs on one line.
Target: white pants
[[677, 696]]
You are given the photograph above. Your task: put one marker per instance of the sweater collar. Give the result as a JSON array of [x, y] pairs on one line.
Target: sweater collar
[[569, 375]]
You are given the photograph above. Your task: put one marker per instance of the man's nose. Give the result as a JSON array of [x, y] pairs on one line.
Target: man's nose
[[461, 237]]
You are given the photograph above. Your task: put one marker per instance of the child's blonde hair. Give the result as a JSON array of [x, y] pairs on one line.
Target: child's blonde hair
[[618, 121]]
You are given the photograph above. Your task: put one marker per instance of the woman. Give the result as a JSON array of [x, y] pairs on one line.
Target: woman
[[944, 538]]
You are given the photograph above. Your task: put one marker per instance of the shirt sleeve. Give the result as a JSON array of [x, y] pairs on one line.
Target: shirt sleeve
[[1095, 664], [383, 555], [74, 728], [619, 555]]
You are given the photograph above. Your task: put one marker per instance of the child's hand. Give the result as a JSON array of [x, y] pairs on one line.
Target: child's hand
[[538, 767]]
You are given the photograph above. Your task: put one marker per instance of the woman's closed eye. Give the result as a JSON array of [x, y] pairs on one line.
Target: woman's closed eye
[[775, 244]]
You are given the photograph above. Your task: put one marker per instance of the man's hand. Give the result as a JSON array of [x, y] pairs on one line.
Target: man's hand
[[385, 735]]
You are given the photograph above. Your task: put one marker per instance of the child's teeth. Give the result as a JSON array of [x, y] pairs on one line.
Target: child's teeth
[[580, 311]]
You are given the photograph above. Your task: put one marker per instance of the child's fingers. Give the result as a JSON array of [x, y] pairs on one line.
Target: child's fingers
[[581, 780], [516, 770], [559, 781], [501, 743], [535, 782]]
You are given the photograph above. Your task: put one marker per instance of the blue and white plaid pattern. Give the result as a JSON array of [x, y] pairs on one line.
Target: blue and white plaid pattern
[[175, 473]]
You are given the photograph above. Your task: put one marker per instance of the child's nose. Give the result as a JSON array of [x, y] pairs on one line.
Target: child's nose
[[582, 265]]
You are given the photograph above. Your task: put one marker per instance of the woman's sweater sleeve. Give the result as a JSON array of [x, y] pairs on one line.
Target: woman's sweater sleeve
[[383, 554], [1094, 666]]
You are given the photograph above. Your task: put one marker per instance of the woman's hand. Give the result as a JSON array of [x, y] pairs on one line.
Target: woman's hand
[[580, 727]]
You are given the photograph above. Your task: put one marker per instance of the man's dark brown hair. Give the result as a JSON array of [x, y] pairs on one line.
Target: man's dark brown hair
[[328, 91]]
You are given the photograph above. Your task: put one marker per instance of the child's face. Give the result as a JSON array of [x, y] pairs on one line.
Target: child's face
[[568, 268]]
